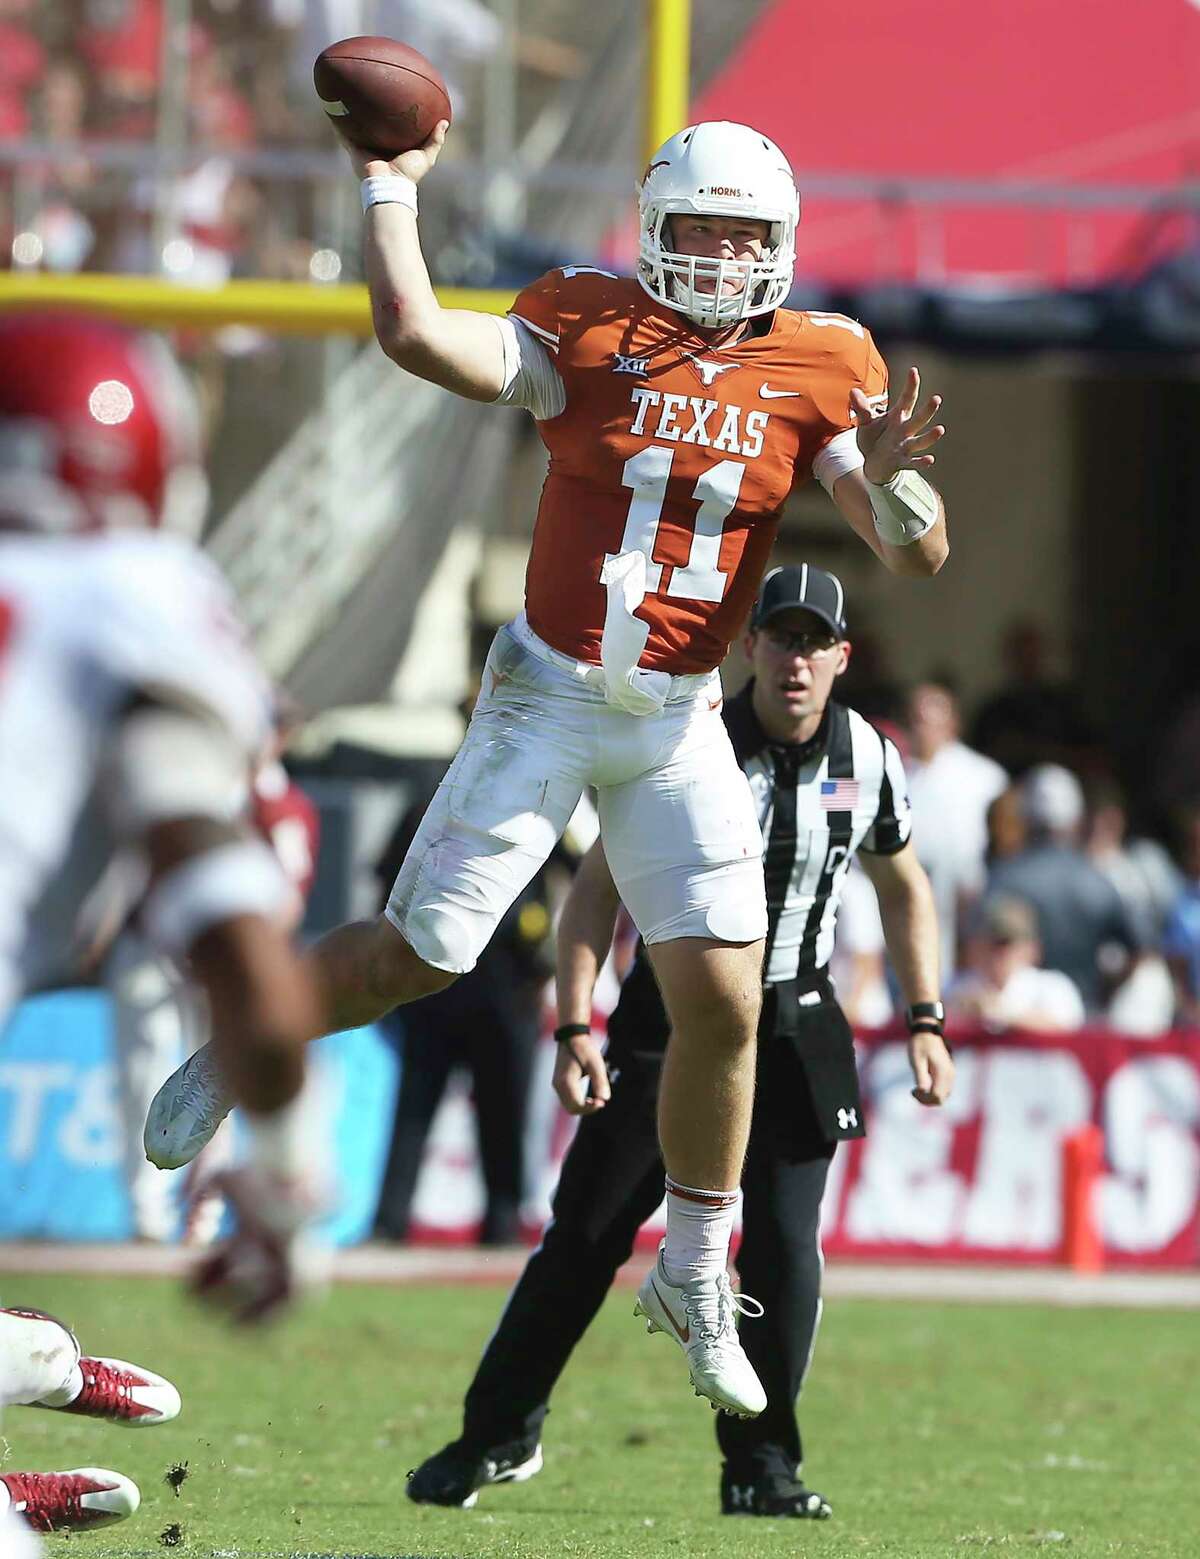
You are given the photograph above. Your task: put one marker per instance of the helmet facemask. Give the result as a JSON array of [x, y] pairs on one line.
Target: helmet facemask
[[671, 277]]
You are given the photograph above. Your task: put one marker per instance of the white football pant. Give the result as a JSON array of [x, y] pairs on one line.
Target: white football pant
[[679, 826]]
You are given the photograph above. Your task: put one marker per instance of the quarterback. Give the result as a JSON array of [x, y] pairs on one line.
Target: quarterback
[[679, 408]]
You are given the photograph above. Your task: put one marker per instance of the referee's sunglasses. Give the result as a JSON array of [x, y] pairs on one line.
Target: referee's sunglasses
[[805, 643]]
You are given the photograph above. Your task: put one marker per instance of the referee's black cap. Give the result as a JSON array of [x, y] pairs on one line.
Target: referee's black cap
[[805, 587]]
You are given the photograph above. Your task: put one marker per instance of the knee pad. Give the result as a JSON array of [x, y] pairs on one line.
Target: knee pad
[[440, 940]]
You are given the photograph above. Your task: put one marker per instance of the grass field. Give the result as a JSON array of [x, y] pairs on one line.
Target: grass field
[[934, 1430]]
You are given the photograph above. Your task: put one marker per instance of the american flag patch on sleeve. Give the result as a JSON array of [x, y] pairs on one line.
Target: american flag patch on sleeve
[[840, 795]]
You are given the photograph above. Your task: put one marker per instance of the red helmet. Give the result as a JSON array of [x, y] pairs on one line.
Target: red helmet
[[98, 428]]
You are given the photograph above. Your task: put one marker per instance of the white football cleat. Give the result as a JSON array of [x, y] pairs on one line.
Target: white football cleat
[[70, 1501], [186, 1111], [700, 1316]]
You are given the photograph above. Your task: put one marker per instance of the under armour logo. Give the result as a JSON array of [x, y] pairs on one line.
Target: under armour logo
[[846, 1119], [709, 371], [741, 1496], [630, 365]]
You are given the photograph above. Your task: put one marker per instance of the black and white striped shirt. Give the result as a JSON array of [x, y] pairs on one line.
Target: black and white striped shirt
[[843, 790], [819, 802]]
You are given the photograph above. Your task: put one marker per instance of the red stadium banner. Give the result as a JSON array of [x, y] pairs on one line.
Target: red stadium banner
[[981, 1178]]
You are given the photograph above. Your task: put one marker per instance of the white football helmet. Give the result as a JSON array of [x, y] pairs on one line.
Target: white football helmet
[[724, 170]]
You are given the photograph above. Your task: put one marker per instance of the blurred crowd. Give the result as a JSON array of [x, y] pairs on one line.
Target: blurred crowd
[[1064, 902], [89, 75], [208, 158]]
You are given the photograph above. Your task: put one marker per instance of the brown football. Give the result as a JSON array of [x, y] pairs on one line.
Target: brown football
[[384, 96]]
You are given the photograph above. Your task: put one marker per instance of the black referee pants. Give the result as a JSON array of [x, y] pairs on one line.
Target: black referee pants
[[611, 1182]]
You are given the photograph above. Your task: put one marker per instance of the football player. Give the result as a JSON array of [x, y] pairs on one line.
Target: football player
[[130, 714], [679, 409], [42, 1365]]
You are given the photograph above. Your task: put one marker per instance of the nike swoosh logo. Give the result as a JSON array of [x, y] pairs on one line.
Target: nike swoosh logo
[[686, 1334], [766, 393]]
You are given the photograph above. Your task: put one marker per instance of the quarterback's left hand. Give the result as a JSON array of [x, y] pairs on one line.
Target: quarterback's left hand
[[900, 438], [932, 1067], [271, 1257]]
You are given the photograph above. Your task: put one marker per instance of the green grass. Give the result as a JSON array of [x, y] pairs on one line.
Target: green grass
[[934, 1430]]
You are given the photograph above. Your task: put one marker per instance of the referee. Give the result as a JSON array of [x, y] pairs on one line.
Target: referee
[[826, 785]]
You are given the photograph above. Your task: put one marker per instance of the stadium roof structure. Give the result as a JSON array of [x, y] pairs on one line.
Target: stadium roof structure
[[1024, 153]]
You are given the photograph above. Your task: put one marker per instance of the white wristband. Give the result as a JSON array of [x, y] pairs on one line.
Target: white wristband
[[904, 508], [389, 188]]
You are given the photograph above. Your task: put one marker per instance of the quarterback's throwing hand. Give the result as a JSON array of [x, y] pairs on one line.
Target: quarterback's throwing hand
[[900, 438], [580, 1076], [932, 1068], [413, 165]]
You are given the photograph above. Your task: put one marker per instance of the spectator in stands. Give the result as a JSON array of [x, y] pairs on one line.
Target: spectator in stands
[[61, 224], [1004, 987], [1181, 939], [1007, 834], [121, 43], [951, 787], [1084, 927], [1034, 718], [1141, 871], [1149, 883], [22, 60]]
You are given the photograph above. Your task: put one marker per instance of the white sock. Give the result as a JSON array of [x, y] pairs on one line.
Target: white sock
[[699, 1229], [38, 1357]]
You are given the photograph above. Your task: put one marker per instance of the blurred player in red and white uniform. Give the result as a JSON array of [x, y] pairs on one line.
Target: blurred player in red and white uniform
[[130, 712], [679, 409]]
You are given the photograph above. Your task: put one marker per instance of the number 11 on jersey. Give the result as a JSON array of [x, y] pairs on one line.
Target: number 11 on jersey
[[716, 491]]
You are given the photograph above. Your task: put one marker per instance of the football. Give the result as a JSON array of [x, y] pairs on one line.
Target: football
[[384, 96]]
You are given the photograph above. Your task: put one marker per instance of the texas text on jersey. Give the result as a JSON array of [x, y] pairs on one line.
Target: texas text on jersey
[[685, 453]]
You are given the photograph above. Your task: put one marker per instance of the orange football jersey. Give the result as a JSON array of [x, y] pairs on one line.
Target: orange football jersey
[[670, 448]]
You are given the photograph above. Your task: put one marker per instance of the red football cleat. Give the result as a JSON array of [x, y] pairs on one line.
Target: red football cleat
[[123, 1394], [71, 1501]]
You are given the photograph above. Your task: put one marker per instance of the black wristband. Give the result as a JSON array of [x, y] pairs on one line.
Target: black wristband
[[566, 1031], [929, 1027]]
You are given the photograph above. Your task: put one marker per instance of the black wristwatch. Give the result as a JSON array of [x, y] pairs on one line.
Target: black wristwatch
[[925, 1017]]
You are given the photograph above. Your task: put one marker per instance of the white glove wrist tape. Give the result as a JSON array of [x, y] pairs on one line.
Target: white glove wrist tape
[[904, 508], [389, 189]]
